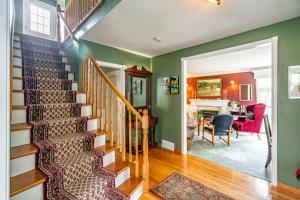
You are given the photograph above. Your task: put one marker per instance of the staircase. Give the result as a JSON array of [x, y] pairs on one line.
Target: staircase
[[63, 145]]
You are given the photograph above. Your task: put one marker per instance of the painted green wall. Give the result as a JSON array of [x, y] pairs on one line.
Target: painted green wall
[[102, 53], [168, 106]]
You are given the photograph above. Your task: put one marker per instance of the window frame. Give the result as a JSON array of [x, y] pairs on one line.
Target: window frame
[[27, 19]]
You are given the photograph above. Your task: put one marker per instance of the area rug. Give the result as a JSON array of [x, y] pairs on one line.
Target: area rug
[[180, 187]]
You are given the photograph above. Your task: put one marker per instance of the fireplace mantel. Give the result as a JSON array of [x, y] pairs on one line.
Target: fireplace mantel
[[220, 105]]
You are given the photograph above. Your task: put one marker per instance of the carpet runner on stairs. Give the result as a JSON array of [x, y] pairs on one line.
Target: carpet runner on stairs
[[66, 149]]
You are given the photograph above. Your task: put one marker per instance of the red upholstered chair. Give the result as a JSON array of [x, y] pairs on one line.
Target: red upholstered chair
[[253, 121]]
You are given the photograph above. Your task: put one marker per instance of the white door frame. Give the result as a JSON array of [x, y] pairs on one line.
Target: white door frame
[[6, 8], [122, 87], [274, 42]]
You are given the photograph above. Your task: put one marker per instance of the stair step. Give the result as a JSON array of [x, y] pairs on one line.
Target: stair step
[[130, 185], [21, 126], [23, 150], [101, 132], [106, 148], [20, 107], [21, 78], [26, 181], [117, 167]]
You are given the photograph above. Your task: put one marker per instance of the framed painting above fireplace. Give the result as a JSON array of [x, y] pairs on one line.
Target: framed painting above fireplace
[[209, 87]]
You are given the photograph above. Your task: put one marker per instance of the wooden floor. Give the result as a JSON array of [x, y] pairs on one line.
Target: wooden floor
[[232, 183]]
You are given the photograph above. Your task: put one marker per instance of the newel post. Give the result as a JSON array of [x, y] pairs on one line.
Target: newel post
[[145, 126]]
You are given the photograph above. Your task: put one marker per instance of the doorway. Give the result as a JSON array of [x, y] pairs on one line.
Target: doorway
[[116, 73], [273, 116]]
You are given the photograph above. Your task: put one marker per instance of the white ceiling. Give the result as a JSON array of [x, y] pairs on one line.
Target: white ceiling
[[259, 57], [132, 24]]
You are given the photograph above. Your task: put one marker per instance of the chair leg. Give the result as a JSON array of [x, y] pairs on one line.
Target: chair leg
[[213, 137], [228, 140], [258, 135], [237, 134]]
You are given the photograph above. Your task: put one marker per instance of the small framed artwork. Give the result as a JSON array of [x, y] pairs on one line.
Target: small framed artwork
[[294, 82], [171, 85], [174, 84]]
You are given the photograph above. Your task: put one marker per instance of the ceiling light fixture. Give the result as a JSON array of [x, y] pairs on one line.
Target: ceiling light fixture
[[156, 39], [218, 2]]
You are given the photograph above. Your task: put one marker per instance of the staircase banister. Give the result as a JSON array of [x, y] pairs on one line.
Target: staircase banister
[[116, 90], [105, 77], [59, 11]]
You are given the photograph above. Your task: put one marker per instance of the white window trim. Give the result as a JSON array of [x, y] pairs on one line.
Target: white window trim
[[26, 19]]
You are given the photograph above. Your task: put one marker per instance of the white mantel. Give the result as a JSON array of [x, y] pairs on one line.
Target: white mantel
[[220, 105]]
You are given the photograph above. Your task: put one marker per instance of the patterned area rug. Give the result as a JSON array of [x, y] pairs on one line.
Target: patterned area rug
[[180, 187], [66, 149]]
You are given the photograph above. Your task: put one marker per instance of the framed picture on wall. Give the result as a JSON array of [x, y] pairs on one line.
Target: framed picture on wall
[[171, 85], [211, 87], [294, 82]]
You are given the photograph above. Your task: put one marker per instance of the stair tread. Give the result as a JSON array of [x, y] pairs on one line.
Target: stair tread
[[106, 148], [21, 78], [23, 150], [21, 126], [18, 66], [130, 185], [26, 181], [117, 167], [101, 132], [19, 107], [23, 107]]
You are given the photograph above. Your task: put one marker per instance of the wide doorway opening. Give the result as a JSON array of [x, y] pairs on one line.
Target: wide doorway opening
[[229, 103]]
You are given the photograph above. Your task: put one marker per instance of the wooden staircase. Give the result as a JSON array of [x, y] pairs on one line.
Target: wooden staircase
[[27, 182]]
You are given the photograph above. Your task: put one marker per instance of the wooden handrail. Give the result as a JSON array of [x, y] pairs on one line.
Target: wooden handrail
[[92, 75], [113, 87], [59, 12], [105, 77]]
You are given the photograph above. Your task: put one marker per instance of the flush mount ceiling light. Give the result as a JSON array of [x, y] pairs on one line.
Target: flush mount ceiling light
[[218, 2], [156, 39]]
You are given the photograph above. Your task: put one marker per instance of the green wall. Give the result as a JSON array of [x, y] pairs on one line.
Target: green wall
[[102, 53], [168, 106]]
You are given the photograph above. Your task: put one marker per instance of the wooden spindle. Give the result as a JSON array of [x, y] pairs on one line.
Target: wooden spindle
[[145, 126], [136, 148], [117, 122], [129, 136], [92, 88], [97, 93], [90, 83], [106, 107], [123, 133], [100, 101], [111, 118]]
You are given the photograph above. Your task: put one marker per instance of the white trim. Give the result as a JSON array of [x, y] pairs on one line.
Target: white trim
[[274, 42], [121, 86], [5, 22], [26, 19]]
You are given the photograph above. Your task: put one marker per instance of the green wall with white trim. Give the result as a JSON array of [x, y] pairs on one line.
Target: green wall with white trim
[[169, 106]]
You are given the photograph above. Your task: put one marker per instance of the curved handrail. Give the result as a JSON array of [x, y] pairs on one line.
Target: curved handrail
[[105, 77]]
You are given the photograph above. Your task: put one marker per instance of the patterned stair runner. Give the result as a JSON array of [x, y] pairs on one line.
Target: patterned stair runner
[[66, 149]]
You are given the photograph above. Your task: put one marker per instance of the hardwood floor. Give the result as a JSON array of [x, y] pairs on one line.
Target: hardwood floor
[[232, 183]]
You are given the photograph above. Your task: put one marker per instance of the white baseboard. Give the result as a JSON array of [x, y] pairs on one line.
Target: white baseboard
[[168, 145]]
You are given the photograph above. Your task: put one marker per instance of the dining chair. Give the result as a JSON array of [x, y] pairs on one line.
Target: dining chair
[[221, 126]]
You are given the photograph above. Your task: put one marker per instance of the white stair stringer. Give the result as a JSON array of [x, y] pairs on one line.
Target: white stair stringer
[[122, 177], [137, 193], [34, 193]]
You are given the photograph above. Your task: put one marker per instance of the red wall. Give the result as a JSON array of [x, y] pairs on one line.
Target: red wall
[[232, 93]]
